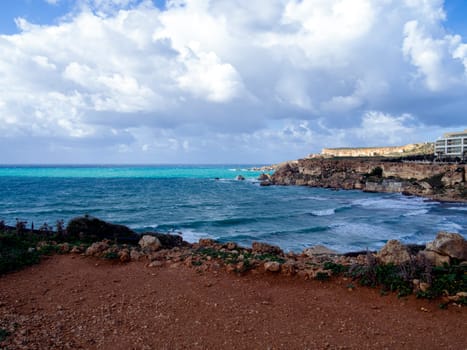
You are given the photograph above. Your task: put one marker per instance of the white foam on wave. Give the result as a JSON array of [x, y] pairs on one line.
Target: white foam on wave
[[323, 212], [416, 212], [401, 203], [458, 208], [316, 198], [450, 226], [192, 236]]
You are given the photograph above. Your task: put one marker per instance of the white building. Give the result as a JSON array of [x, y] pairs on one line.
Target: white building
[[453, 144]]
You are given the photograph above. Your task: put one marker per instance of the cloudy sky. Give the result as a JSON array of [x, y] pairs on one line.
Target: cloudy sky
[[226, 81]]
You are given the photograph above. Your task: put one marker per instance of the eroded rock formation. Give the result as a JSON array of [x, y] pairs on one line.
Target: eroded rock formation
[[438, 181]]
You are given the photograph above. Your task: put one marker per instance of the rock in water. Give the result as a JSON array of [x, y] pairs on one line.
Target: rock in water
[[240, 177], [450, 244], [394, 252], [149, 243]]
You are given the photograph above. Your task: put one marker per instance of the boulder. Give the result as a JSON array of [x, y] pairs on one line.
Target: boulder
[[318, 250], [89, 229], [264, 177], [394, 252], [264, 248], [149, 243], [433, 258], [168, 241], [272, 266], [450, 244], [97, 248], [240, 177]]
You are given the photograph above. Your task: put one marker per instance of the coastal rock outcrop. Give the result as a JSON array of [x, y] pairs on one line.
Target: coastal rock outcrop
[[435, 180]]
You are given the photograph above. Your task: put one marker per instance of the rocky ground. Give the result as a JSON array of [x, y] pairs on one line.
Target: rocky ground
[[167, 294], [75, 301]]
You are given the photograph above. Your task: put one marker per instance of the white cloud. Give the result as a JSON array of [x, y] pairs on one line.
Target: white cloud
[[435, 58], [205, 76], [202, 80]]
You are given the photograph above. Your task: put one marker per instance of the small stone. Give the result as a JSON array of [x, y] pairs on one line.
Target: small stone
[[124, 255], [206, 242], [231, 245], [272, 266], [76, 250], [156, 263], [424, 286], [135, 255]]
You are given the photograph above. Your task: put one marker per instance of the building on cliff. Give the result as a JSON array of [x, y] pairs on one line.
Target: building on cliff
[[452, 144]]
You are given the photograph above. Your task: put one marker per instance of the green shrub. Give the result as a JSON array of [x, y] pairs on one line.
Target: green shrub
[[435, 181], [16, 253], [336, 269], [3, 334]]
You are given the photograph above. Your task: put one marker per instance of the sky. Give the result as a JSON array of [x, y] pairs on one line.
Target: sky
[[225, 81]]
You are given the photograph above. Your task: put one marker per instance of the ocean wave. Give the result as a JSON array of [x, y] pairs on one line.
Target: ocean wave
[[193, 236], [450, 226], [323, 212], [464, 208], [416, 212], [330, 211], [392, 203]]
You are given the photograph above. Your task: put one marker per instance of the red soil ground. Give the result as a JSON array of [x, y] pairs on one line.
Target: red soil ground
[[75, 302]]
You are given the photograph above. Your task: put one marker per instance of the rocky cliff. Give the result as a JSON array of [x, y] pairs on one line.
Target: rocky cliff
[[396, 151], [444, 182]]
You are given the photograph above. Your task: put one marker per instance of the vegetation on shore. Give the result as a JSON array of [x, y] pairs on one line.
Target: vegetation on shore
[[20, 247]]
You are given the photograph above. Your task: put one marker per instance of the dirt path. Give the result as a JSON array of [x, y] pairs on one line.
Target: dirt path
[[76, 302]]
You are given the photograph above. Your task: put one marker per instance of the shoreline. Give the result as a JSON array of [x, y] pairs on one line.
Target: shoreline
[[438, 182]]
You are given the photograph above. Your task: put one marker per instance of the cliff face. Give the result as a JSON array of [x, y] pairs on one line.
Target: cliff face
[[413, 148], [438, 181]]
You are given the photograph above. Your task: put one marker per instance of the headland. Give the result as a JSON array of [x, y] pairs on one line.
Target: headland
[[437, 181]]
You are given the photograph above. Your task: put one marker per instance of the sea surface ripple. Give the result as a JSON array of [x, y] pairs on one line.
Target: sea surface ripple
[[207, 201]]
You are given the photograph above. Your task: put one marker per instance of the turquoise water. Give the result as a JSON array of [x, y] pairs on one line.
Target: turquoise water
[[190, 200]]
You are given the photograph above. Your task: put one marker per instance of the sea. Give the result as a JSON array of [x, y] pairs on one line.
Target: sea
[[207, 201]]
